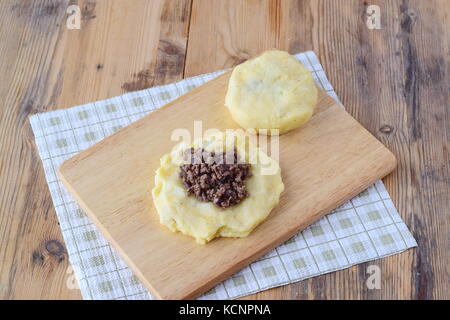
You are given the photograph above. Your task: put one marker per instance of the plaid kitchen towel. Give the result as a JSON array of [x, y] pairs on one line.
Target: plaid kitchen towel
[[366, 228]]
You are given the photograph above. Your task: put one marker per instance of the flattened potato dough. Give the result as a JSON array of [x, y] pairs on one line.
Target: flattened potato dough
[[204, 220], [272, 91]]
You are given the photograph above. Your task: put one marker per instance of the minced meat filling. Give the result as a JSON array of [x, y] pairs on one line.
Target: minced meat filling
[[215, 177]]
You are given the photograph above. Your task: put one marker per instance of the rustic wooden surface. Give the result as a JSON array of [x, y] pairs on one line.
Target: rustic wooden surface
[[395, 81]]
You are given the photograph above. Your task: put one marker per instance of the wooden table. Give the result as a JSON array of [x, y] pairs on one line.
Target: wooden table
[[394, 80]]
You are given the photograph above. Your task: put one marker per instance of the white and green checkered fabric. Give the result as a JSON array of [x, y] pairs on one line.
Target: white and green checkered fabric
[[366, 228]]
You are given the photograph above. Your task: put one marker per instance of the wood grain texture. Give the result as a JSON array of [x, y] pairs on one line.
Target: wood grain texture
[[27, 219], [121, 46], [324, 163], [395, 81]]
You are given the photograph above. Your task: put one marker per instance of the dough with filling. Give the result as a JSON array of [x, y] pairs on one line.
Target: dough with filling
[[204, 220]]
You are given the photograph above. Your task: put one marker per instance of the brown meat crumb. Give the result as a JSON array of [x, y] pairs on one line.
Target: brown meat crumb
[[215, 177]]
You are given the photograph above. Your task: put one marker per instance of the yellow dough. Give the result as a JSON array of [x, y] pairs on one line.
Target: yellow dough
[[203, 220], [272, 91]]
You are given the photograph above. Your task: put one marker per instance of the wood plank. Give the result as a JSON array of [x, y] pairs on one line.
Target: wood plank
[[33, 259], [383, 77], [121, 46], [326, 162], [424, 49]]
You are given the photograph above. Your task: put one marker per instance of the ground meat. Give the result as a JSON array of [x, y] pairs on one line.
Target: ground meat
[[215, 177]]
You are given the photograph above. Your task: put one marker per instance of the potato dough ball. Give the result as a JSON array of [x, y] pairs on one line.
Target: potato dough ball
[[272, 91]]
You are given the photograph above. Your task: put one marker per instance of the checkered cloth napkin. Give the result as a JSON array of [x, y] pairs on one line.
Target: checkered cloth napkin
[[366, 228]]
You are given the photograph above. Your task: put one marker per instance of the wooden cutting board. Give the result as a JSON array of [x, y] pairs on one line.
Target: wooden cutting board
[[325, 163]]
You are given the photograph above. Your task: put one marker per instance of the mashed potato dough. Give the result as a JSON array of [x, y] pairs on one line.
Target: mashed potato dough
[[204, 220], [272, 91]]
